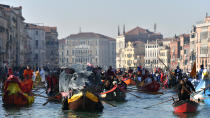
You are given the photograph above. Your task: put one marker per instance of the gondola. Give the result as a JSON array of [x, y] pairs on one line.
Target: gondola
[[16, 92], [117, 93], [150, 88], [185, 106], [83, 101]]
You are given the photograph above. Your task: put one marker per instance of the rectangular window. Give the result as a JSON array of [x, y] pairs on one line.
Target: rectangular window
[[203, 35], [37, 43]]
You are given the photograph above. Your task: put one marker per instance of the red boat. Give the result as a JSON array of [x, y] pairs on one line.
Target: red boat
[[185, 106], [152, 87]]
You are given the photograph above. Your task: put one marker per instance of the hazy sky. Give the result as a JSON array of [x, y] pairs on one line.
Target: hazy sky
[[103, 16]]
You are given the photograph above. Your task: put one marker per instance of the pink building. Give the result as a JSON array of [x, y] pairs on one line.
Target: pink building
[[202, 35], [185, 52], [174, 53]]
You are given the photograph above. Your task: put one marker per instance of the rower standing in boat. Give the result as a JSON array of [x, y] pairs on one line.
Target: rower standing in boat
[[185, 88]]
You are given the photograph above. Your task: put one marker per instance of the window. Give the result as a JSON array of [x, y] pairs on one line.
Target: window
[[37, 43], [204, 50], [204, 35], [67, 53], [37, 32]]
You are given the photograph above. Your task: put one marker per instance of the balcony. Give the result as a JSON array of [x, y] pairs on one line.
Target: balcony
[[203, 55]]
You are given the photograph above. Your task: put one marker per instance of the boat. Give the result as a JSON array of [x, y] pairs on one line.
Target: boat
[[150, 88], [17, 93], [129, 81], [185, 106], [83, 101], [117, 93]]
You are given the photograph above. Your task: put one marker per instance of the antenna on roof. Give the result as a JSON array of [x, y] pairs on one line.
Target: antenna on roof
[[206, 14], [155, 27], [80, 29], [124, 29], [118, 30]]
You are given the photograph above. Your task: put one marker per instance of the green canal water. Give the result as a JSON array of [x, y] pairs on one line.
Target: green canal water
[[131, 108]]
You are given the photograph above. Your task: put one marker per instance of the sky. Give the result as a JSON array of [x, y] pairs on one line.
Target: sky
[[103, 16]]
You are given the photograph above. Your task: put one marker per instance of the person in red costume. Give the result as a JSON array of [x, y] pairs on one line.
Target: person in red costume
[[28, 73]]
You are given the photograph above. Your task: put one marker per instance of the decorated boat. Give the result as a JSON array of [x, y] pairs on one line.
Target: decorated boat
[[203, 88], [78, 89], [83, 101], [129, 81], [17, 92], [117, 93], [185, 106]]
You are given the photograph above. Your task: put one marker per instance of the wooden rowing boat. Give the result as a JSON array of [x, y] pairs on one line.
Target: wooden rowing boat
[[83, 101], [15, 94]]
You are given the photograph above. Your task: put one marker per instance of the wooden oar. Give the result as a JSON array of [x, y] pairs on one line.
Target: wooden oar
[[133, 94], [159, 103], [50, 98], [44, 97], [108, 103]]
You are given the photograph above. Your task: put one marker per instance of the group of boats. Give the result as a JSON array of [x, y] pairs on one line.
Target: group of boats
[[19, 93]]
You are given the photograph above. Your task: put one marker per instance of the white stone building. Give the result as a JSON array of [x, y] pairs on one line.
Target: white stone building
[[88, 47], [151, 54], [62, 52], [120, 46]]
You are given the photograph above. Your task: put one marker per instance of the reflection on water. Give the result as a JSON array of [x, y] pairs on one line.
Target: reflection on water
[[186, 115], [131, 108]]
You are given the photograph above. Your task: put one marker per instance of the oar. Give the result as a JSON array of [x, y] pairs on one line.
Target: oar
[[50, 98], [108, 103], [44, 97], [159, 103], [133, 94]]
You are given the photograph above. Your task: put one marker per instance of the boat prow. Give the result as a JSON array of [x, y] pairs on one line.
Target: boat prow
[[185, 106], [84, 102]]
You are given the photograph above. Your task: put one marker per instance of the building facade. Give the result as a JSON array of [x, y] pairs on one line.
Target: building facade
[[174, 53], [51, 39], [62, 50], [37, 45], [129, 56], [120, 47], [13, 36], [202, 35], [185, 52], [87, 47], [151, 54]]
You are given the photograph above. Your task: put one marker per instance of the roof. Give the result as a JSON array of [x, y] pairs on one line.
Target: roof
[[45, 28], [140, 34], [89, 35]]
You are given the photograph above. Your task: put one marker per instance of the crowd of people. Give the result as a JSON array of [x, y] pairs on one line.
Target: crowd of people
[[107, 79]]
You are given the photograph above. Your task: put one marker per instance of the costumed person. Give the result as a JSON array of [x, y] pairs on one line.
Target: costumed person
[[178, 73], [200, 72], [28, 73], [38, 77], [42, 74], [185, 88]]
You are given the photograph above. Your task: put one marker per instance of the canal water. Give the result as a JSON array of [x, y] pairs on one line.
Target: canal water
[[131, 108]]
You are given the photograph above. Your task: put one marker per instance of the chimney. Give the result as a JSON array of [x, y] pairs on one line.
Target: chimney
[[155, 27]]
